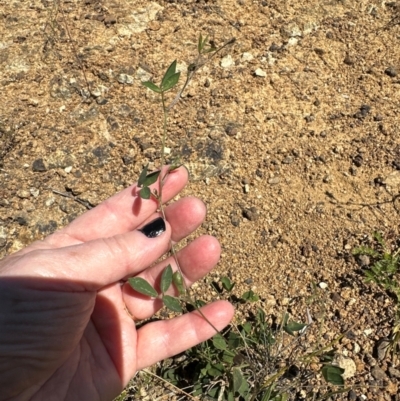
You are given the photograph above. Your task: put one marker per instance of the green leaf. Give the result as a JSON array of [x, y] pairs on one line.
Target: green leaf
[[240, 384], [166, 279], [227, 284], [141, 285], [216, 369], [143, 176], [172, 303], [219, 342], [293, 327], [171, 71], [200, 43], [237, 379], [145, 193], [171, 82], [152, 86], [178, 281], [250, 296], [151, 178], [333, 374]]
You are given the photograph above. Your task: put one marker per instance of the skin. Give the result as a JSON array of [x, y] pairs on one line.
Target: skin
[[66, 327]]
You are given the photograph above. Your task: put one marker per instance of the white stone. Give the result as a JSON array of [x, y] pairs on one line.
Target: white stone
[[323, 285], [143, 75], [347, 364], [68, 169], [247, 56], [260, 73], [227, 61]]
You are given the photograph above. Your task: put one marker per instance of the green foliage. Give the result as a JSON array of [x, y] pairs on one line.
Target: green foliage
[[238, 364], [384, 272], [333, 374], [385, 265], [143, 287]]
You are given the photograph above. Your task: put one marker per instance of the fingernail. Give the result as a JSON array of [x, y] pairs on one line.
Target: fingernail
[[154, 228]]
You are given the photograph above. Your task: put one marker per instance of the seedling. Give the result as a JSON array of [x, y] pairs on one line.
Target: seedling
[[169, 82]]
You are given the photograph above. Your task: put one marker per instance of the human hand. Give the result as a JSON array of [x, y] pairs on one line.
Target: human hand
[[65, 329]]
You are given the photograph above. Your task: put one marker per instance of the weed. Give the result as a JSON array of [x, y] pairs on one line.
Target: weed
[[252, 361], [384, 271], [168, 82]]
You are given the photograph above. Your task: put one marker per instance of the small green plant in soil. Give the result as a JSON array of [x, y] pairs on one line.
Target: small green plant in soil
[[246, 362], [384, 270]]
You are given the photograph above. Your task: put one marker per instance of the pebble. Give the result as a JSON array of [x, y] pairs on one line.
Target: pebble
[[274, 180], [287, 160], [250, 214], [349, 60], [246, 188], [38, 166], [323, 285], [227, 61], [347, 364], [235, 220], [336, 297], [391, 71], [377, 373], [394, 372], [247, 56], [260, 73], [125, 79], [363, 260], [23, 194], [34, 192]]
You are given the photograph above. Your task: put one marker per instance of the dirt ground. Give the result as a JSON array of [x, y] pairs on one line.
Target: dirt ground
[[291, 136]]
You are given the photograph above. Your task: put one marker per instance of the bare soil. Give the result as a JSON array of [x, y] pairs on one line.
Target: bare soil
[[292, 141]]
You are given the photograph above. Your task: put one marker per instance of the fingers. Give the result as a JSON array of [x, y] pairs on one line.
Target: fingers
[[92, 265], [163, 339], [196, 260], [119, 214]]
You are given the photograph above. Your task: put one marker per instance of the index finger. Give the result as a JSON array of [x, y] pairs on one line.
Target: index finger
[[119, 214]]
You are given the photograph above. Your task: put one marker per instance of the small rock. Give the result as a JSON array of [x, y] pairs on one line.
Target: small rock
[[34, 192], [125, 79], [336, 297], [356, 348], [309, 118], [353, 170], [274, 47], [323, 285], [352, 396], [358, 160], [250, 214], [347, 364], [246, 188], [38, 166], [363, 260], [248, 281], [377, 373], [274, 180], [101, 101], [247, 56], [110, 20], [391, 71], [394, 372], [349, 60], [23, 194], [287, 160], [227, 61], [260, 73], [235, 220]]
